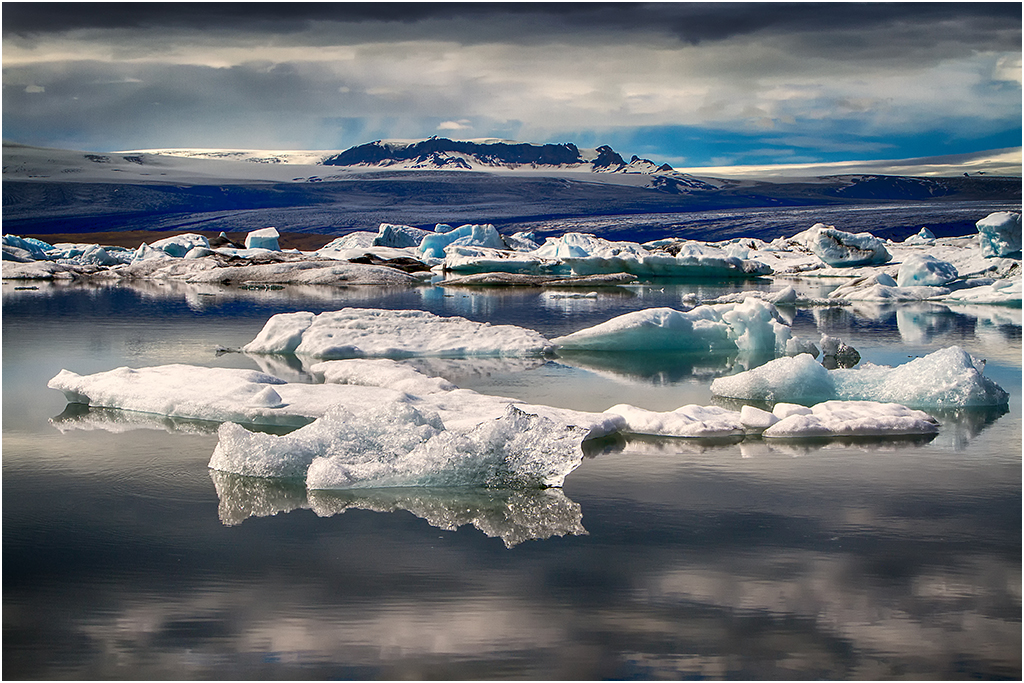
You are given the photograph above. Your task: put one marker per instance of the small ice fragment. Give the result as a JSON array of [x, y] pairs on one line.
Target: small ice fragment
[[267, 398], [784, 410], [265, 238], [756, 419]]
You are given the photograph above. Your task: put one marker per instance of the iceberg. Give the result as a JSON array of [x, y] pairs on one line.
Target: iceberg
[[882, 287], [213, 394], [89, 255], [436, 244], [925, 269], [380, 372], [399, 236], [265, 238], [691, 421], [999, 234], [180, 245], [1005, 291], [946, 379], [36, 250], [924, 237], [844, 249], [752, 326], [359, 333], [851, 418], [579, 254], [256, 398], [396, 445]]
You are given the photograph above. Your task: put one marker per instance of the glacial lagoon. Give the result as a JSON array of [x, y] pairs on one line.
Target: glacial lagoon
[[127, 557]]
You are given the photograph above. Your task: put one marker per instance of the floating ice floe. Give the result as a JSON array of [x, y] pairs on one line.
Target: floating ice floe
[[948, 378], [578, 254], [420, 431], [1005, 291], [833, 419], [1000, 234], [752, 326], [882, 287], [358, 333], [256, 398], [526, 280], [843, 249], [706, 422]]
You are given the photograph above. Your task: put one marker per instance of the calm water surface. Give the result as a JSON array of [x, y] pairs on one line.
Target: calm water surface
[[126, 557]]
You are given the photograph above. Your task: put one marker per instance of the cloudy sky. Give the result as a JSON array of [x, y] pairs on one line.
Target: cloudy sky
[[689, 84]]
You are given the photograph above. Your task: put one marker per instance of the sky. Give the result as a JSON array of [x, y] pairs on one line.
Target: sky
[[690, 84]]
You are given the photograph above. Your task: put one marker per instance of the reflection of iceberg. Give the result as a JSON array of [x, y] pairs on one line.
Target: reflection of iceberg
[[81, 417], [513, 516], [659, 368], [245, 497]]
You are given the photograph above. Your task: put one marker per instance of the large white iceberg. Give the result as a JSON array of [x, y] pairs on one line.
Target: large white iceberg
[[213, 394], [752, 326], [843, 249], [360, 332], [256, 398], [946, 379], [999, 234]]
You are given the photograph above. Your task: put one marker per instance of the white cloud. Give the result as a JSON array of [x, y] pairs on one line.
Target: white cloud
[[35, 88], [462, 124]]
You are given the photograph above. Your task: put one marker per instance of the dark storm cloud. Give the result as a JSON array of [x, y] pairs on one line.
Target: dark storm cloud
[[693, 23], [257, 75]]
